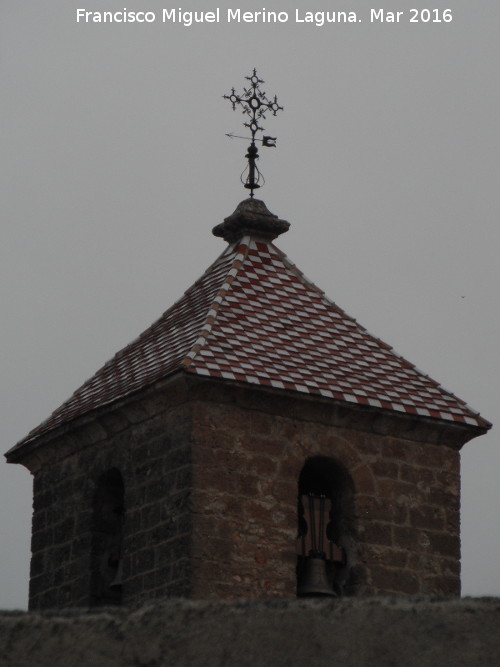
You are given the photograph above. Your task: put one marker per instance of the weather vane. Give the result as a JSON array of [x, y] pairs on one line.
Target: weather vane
[[255, 104]]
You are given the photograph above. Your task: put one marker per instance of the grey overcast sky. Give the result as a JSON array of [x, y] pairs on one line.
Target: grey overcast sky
[[115, 168]]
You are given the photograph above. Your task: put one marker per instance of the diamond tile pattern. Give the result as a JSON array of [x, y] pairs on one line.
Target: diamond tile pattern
[[277, 329], [253, 317]]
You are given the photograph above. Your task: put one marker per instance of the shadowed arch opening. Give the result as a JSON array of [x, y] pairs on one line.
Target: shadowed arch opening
[[325, 527], [107, 540]]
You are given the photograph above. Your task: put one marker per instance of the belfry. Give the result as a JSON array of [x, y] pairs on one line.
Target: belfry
[[255, 441]]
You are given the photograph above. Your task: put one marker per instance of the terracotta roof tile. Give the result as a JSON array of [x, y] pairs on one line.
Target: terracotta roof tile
[[254, 317], [309, 345]]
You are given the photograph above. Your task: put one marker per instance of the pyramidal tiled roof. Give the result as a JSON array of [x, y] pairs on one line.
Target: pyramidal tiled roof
[[253, 317]]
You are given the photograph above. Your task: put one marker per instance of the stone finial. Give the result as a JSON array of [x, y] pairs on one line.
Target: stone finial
[[251, 217]]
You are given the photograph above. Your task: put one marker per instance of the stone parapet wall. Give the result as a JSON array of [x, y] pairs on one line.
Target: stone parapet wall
[[352, 633]]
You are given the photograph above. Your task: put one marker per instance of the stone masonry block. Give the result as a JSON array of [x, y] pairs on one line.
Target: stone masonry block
[[210, 494]]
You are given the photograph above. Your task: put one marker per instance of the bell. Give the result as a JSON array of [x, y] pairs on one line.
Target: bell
[[314, 579], [116, 584]]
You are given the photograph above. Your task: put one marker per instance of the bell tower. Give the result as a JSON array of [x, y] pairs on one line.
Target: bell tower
[[255, 441]]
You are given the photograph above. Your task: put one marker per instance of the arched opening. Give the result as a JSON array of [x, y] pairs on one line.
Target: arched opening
[[325, 498], [107, 538]]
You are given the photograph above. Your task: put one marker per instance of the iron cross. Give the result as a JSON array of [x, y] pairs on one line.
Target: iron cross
[[255, 104]]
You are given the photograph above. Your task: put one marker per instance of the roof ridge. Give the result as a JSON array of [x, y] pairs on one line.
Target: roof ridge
[[144, 334], [302, 276], [254, 316], [293, 267], [240, 248], [79, 401]]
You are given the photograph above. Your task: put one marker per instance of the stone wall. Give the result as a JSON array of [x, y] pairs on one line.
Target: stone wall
[[210, 473], [351, 633], [148, 442], [403, 526]]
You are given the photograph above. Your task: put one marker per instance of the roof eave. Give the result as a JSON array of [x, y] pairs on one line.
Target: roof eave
[[28, 447], [348, 415], [383, 421]]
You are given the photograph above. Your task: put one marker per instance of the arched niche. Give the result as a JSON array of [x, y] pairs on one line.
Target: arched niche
[[107, 540], [325, 527]]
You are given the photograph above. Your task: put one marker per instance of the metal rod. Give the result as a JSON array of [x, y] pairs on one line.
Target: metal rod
[[255, 104], [321, 522], [312, 523]]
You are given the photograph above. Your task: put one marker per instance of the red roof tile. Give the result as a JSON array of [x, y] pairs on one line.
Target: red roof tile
[[254, 317]]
